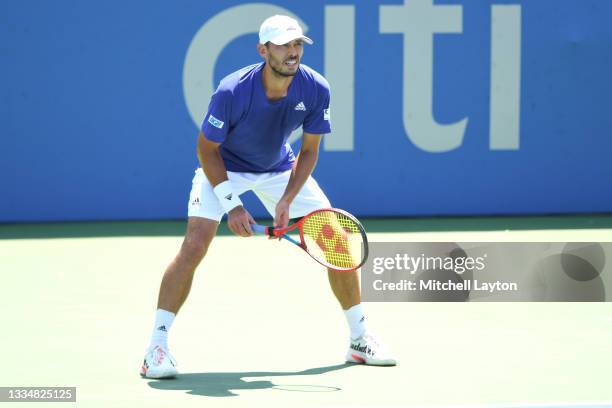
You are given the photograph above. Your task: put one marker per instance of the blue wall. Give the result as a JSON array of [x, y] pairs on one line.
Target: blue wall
[[100, 102]]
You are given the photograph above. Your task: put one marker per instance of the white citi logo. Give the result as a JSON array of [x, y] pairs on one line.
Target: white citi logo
[[419, 23]]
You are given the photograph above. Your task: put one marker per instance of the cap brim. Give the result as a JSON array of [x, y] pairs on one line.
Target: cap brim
[[288, 37]]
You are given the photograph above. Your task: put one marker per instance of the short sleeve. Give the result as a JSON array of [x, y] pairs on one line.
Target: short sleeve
[[318, 119], [216, 121]]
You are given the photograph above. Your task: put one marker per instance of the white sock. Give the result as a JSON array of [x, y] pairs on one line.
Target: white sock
[[163, 322], [356, 320]]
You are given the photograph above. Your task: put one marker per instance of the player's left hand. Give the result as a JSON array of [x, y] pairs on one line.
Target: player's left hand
[[281, 218]]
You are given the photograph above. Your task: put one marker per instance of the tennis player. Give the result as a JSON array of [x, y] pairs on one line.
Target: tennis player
[[243, 146]]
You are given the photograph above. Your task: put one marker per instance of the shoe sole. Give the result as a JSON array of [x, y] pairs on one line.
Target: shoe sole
[[355, 359], [145, 374], [158, 378]]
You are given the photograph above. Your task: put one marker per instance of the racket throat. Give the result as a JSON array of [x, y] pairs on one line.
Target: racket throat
[[294, 241]]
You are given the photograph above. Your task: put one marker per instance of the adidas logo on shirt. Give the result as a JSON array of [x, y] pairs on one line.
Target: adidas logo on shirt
[[300, 106]]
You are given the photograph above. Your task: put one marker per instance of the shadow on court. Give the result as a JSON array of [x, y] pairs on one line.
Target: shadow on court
[[222, 384]]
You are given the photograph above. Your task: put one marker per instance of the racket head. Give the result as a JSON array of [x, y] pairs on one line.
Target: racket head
[[334, 238]]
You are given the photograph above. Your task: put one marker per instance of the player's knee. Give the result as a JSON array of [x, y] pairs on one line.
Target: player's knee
[[193, 250], [195, 246]]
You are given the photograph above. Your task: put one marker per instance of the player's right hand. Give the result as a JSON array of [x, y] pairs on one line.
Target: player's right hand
[[239, 221]]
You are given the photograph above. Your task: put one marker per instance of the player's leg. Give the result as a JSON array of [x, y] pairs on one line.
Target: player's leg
[[175, 286], [204, 215], [178, 277], [344, 285]]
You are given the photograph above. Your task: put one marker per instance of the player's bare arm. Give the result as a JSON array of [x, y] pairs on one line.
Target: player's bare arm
[[302, 169], [238, 219]]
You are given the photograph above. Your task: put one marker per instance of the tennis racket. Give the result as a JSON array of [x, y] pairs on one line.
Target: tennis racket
[[332, 237]]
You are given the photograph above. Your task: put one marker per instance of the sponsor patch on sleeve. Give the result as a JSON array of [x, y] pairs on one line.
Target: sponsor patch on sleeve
[[326, 114], [215, 122]]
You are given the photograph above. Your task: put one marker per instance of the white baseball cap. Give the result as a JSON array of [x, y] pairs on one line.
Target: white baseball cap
[[280, 30]]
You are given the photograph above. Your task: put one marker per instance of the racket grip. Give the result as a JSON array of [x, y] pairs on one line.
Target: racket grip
[[260, 229]]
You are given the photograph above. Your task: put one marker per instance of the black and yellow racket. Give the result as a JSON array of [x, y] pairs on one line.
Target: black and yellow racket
[[332, 237]]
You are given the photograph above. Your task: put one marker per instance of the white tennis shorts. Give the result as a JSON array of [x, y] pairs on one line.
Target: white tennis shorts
[[268, 187]]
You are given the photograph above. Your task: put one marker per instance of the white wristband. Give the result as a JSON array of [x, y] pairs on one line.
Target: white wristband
[[227, 198]]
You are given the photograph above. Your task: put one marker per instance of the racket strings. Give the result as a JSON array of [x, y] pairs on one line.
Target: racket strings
[[334, 238]]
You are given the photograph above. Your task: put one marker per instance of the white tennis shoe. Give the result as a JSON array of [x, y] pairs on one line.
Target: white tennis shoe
[[158, 363], [369, 351]]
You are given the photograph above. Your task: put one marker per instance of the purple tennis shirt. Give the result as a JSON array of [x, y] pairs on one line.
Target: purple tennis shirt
[[253, 130]]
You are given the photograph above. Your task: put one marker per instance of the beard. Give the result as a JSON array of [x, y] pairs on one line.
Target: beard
[[280, 69]]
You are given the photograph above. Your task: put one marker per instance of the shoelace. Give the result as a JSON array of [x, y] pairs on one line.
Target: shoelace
[[374, 347], [371, 340], [159, 355]]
